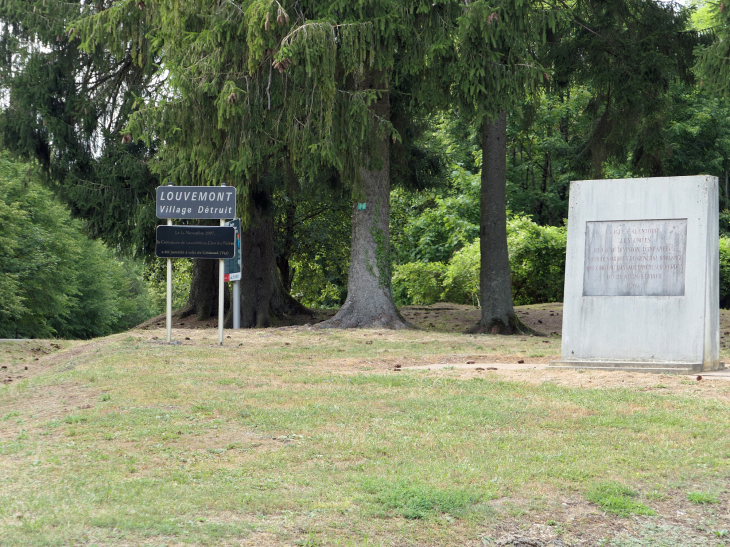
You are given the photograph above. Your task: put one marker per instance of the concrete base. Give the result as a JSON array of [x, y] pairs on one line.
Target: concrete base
[[638, 366]]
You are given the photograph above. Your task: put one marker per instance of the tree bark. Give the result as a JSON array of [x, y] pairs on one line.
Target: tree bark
[[284, 255], [263, 297], [203, 297], [369, 302], [498, 314]]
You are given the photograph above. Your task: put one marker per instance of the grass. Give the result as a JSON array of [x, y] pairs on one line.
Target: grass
[[618, 499], [310, 438], [703, 497]]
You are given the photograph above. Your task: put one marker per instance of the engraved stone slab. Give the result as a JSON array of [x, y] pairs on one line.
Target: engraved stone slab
[[635, 258], [642, 274]]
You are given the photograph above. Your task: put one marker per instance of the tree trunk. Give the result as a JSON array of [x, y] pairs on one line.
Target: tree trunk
[[203, 297], [263, 297], [284, 255], [369, 302], [498, 315]]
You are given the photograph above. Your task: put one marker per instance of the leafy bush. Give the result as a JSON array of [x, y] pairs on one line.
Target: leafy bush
[[430, 226], [537, 265], [418, 283], [156, 275], [54, 281], [537, 261], [725, 272], [461, 283]]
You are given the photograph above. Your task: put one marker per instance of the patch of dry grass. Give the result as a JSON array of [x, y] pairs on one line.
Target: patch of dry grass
[[308, 437]]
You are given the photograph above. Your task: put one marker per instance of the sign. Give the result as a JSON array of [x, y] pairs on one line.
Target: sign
[[196, 202], [216, 242], [232, 266], [635, 258]]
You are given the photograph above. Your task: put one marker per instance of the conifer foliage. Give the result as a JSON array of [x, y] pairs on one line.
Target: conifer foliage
[[65, 108]]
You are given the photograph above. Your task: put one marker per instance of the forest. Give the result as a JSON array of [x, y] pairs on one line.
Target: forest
[[384, 152]]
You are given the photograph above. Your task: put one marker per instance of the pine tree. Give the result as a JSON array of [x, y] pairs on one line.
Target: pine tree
[[258, 88], [627, 52], [65, 107], [495, 65]]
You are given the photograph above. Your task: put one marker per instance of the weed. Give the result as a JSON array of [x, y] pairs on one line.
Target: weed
[[420, 501], [702, 498], [616, 498]]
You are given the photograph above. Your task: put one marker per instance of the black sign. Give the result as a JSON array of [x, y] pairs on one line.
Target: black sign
[[196, 202], [195, 242]]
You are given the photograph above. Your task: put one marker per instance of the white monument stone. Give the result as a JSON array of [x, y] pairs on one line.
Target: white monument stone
[[642, 275]]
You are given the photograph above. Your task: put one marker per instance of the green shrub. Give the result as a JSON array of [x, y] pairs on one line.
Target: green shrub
[[537, 268], [156, 275], [725, 272], [418, 283], [537, 261], [461, 282], [54, 281]]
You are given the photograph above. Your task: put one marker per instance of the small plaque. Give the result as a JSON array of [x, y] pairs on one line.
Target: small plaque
[[635, 258], [215, 242]]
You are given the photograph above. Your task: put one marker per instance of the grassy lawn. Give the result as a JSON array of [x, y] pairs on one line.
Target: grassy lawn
[[295, 436]]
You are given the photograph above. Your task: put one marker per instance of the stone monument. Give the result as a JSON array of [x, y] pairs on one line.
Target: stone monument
[[642, 275]]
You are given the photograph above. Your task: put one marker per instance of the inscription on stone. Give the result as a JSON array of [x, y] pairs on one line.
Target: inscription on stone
[[635, 258]]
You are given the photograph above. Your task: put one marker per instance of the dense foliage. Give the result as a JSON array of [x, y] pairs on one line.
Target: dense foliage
[[537, 268], [54, 281], [66, 108], [278, 98]]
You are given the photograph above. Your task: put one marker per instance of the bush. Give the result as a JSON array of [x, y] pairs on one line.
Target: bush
[[725, 272], [537, 261], [537, 267], [461, 282], [418, 283], [54, 281]]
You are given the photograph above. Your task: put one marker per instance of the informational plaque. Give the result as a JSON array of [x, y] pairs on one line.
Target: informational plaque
[[635, 258], [216, 242]]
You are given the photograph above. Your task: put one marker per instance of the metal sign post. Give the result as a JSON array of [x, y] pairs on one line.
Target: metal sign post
[[196, 202], [221, 276], [169, 294]]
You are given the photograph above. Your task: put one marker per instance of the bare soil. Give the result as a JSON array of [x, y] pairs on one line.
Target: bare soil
[[439, 317]]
